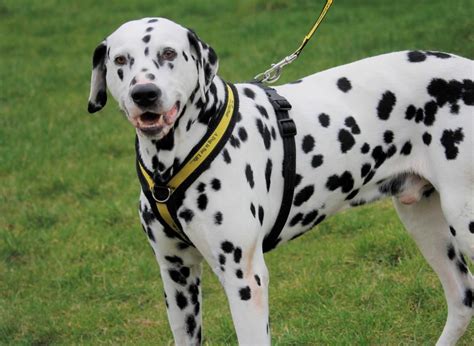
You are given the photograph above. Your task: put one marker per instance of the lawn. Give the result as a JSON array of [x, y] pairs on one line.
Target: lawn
[[75, 267]]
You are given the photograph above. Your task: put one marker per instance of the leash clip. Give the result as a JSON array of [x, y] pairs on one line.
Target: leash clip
[[273, 73]]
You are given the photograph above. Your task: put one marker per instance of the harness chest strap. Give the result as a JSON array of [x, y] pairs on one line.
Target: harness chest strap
[[161, 196]]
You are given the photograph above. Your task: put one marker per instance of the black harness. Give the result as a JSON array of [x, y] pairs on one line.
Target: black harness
[[164, 196]]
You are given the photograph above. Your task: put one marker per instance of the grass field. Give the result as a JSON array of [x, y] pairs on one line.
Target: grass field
[[75, 267]]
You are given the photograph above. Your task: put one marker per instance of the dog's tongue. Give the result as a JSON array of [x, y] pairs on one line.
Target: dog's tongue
[[170, 116]]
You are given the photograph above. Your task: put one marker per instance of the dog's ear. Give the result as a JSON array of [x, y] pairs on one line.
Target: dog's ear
[[98, 93], [206, 61]]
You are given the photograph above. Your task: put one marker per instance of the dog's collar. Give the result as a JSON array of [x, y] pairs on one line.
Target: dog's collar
[[161, 195]]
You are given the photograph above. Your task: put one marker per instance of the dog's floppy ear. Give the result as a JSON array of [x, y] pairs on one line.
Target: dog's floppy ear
[[206, 61], [98, 93]]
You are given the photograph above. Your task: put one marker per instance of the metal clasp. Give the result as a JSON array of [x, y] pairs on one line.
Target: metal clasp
[[161, 194], [273, 73]]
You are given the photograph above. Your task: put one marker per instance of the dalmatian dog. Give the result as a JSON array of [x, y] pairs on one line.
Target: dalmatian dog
[[397, 125]]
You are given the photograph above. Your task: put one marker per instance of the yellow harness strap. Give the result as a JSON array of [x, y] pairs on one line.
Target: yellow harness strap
[[192, 164]]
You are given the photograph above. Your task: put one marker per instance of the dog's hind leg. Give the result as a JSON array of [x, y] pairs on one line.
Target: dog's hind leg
[[426, 223]]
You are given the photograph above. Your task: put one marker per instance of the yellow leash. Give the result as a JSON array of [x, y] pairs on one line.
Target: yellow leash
[[272, 74]]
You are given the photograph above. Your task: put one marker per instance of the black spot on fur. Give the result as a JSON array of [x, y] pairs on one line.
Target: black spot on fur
[[452, 230], [471, 226], [190, 324], [218, 218], [379, 156], [226, 156], [388, 137], [430, 111], [221, 259], [257, 279], [201, 187], [344, 84], [216, 184], [227, 247], [351, 123], [365, 169], [146, 38], [426, 138], [174, 259], [445, 92], [249, 175], [439, 55], [263, 111], [309, 218], [468, 298], [451, 252], [406, 149], [317, 161], [202, 201], [303, 195], [252, 209], [181, 300], [268, 173], [324, 120], [296, 219], [242, 134], [308, 143], [260, 214], [239, 274], [177, 277], [410, 112], [345, 182], [416, 56], [365, 148], [120, 73], [234, 141], [150, 76], [187, 215], [386, 104], [449, 140], [346, 139], [249, 93], [245, 293], [237, 254], [265, 133], [391, 150], [462, 267]]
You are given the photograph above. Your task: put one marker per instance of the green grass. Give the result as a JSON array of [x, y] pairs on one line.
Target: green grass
[[75, 267]]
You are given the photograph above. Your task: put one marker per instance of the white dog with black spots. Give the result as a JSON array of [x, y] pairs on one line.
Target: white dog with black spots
[[397, 125]]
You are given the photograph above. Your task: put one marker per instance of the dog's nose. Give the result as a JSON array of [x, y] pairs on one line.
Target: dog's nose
[[145, 94]]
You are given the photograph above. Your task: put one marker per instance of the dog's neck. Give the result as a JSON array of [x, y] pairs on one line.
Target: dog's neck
[[162, 157]]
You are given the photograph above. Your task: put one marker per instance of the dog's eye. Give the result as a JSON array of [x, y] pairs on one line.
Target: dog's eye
[[120, 60], [169, 54]]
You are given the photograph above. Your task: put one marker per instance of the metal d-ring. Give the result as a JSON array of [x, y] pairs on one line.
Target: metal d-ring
[[163, 189]]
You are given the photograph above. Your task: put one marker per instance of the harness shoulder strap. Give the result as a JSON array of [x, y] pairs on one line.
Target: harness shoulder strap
[[287, 128]]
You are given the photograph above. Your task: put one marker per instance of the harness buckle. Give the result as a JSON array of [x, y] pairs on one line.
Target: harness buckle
[[287, 127], [161, 194]]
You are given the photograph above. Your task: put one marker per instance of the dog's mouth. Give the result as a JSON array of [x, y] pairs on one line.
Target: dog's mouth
[[151, 123]]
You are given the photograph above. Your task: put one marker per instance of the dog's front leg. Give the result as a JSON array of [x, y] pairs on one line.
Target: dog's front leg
[[180, 267], [244, 275], [183, 301]]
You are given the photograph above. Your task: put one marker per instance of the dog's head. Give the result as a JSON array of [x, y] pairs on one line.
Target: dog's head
[[152, 67]]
